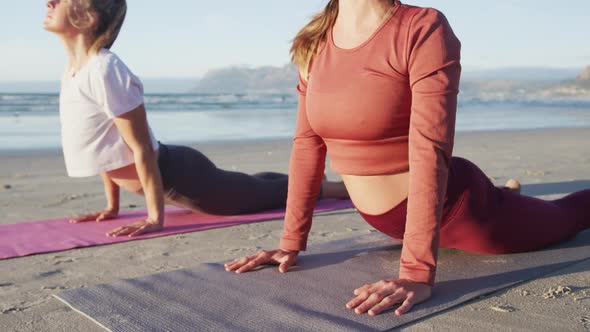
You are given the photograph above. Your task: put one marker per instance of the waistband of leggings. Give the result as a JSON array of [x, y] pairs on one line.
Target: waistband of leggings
[[400, 208]]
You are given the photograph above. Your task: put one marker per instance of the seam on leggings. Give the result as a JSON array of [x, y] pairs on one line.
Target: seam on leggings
[[455, 209]]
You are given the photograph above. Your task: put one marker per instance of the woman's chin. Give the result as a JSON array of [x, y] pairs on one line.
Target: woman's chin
[[50, 28], [47, 27]]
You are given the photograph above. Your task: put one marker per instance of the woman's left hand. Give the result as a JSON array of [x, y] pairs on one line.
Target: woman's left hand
[[383, 295], [137, 228]]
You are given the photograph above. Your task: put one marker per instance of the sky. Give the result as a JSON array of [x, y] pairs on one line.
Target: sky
[[185, 38]]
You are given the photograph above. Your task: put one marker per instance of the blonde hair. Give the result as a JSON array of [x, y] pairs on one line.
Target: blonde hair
[[110, 15], [308, 40]]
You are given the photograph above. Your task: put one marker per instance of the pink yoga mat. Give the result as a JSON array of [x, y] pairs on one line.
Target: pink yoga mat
[[56, 235]]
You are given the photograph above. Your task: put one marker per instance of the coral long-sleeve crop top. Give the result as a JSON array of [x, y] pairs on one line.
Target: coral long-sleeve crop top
[[385, 107]]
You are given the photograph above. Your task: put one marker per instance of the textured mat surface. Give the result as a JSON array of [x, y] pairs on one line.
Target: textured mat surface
[[56, 235], [309, 298]]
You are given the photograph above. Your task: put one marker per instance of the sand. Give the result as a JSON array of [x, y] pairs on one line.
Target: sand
[[33, 185]]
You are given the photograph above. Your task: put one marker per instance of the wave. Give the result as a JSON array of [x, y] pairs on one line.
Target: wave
[[525, 101], [49, 103], [39, 103]]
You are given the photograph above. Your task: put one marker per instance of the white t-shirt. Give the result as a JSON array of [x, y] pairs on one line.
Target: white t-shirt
[[102, 90]]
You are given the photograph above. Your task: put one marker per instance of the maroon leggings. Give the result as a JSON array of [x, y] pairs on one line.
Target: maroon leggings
[[479, 217]]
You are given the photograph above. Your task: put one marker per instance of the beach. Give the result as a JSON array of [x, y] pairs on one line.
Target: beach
[[34, 186]]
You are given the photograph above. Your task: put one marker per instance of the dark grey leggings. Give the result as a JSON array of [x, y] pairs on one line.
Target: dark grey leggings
[[192, 181]]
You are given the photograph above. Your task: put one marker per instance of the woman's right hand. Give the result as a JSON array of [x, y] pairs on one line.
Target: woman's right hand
[[99, 216], [283, 258]]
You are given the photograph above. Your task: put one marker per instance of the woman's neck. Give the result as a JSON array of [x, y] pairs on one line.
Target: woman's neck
[[79, 51], [361, 14]]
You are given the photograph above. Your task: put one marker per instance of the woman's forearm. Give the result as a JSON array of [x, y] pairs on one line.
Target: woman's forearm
[[112, 192], [151, 182]]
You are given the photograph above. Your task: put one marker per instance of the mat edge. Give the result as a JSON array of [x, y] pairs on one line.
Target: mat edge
[[64, 301]]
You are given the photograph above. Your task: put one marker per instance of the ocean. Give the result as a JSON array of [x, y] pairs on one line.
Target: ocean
[[31, 121]]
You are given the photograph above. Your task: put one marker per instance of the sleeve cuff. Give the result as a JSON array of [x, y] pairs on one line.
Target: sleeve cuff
[[293, 244], [423, 276]]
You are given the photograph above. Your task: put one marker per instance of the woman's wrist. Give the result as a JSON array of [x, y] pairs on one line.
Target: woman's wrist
[[111, 207], [156, 218]]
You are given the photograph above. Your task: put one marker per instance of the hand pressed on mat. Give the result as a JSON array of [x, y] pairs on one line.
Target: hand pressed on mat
[[380, 296], [283, 258], [106, 214], [137, 228]]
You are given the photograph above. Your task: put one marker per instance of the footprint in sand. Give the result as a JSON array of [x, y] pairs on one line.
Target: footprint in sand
[[53, 288], [503, 308], [50, 273], [64, 261], [557, 292], [23, 306], [11, 310]]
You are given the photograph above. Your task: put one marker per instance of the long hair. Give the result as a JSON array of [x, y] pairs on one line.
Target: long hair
[[110, 15], [308, 40]]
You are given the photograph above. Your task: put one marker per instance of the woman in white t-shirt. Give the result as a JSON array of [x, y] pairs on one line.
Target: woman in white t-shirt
[[105, 131]]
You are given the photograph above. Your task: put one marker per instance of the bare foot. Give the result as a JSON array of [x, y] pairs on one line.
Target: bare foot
[[513, 186]]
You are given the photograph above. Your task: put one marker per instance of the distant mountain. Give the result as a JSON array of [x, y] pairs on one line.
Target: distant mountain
[[526, 84], [502, 84], [493, 84], [249, 80]]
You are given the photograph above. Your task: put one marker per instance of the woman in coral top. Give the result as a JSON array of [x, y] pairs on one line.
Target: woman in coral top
[[378, 93]]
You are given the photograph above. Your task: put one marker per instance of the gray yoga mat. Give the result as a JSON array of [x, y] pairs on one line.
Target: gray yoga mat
[[309, 298]]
